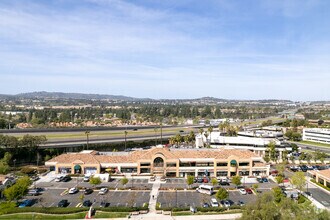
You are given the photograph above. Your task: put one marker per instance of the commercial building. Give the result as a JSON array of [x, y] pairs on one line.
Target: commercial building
[[163, 161], [246, 141], [320, 135], [321, 176]]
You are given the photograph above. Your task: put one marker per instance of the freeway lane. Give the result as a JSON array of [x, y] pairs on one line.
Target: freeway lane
[[312, 147]]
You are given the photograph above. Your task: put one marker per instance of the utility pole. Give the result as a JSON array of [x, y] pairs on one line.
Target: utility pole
[[87, 136]]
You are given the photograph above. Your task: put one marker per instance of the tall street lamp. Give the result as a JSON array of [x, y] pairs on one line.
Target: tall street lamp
[[87, 136], [125, 139], [161, 133]]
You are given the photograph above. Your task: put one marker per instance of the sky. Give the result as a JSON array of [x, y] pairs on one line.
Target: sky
[[256, 49]]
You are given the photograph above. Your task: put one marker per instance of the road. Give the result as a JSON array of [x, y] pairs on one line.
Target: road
[[312, 147]]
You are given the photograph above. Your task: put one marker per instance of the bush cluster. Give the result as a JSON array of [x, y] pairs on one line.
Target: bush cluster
[[45, 210]]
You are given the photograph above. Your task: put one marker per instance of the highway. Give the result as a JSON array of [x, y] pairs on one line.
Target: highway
[[312, 147]]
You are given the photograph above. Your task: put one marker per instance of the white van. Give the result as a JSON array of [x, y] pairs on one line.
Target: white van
[[214, 203]]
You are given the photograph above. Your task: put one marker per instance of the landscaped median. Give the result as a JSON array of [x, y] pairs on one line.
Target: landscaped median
[[9, 211]]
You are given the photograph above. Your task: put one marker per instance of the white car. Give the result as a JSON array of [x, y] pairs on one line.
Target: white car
[[73, 190], [214, 203], [242, 191], [103, 191]]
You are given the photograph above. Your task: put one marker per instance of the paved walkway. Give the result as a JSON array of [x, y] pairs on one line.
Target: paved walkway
[[153, 196]]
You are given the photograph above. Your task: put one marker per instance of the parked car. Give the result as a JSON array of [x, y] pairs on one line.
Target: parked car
[[214, 203], [199, 180], [152, 179], [240, 203], [248, 190], [103, 191], [63, 203], [308, 193], [163, 178], [224, 183], [87, 203], [86, 178], [260, 180], [265, 180], [59, 179], [205, 180], [33, 192], [88, 191], [226, 203], [104, 204], [206, 205], [66, 179], [242, 191], [73, 190], [26, 203]]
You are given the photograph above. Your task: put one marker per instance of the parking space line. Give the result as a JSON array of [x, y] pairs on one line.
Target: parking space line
[[52, 204]]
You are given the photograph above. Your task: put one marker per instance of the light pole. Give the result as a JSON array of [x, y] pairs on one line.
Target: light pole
[[161, 133], [155, 129], [125, 139], [87, 136], [14, 165]]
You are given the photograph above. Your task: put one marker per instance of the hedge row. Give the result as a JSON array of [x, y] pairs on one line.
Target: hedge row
[[321, 185], [45, 210], [200, 209], [67, 210]]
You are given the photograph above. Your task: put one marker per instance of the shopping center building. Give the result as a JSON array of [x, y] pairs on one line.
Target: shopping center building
[[163, 161]]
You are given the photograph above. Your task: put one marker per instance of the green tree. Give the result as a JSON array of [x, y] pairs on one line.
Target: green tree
[[190, 180], [210, 129], [298, 180], [222, 194], [236, 180], [255, 186], [124, 181], [280, 168], [18, 190], [214, 181], [95, 181], [279, 179]]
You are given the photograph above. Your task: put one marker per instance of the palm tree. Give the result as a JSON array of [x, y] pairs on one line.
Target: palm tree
[[210, 129]]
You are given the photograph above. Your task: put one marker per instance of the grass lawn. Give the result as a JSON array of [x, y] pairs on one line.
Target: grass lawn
[[80, 215], [313, 143]]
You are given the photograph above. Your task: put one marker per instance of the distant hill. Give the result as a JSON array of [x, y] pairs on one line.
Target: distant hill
[[82, 96], [62, 95]]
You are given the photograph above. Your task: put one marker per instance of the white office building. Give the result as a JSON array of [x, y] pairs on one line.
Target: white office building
[[257, 145], [320, 135]]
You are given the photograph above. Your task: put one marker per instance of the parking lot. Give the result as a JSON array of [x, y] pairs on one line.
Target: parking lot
[[113, 184], [51, 197], [193, 198]]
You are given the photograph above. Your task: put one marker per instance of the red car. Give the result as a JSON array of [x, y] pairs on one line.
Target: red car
[[205, 180], [248, 191], [286, 180]]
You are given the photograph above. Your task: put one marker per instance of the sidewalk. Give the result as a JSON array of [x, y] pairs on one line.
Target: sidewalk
[[153, 196]]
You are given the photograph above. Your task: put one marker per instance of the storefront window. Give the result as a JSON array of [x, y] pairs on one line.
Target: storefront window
[[145, 170], [222, 164]]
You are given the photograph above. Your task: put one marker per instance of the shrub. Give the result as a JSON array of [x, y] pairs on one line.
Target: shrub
[[28, 170], [301, 199], [321, 185], [45, 210], [122, 209]]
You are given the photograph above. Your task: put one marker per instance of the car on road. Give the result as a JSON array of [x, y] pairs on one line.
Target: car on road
[[26, 203], [87, 203], [248, 190], [73, 190], [199, 180], [103, 191], [63, 203], [242, 191], [308, 193], [205, 205], [214, 203], [88, 191]]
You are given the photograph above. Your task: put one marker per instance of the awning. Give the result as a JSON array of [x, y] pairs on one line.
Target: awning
[[77, 167]]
